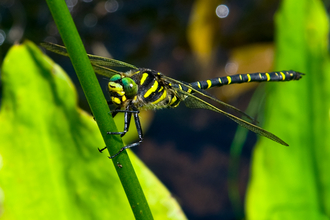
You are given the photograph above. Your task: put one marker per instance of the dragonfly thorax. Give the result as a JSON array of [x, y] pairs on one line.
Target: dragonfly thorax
[[153, 91]]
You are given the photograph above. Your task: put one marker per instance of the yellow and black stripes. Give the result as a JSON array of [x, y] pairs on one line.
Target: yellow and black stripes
[[154, 91], [151, 89], [118, 100], [250, 77], [142, 89]]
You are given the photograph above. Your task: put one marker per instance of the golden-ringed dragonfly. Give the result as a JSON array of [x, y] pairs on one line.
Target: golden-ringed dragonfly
[[145, 89]]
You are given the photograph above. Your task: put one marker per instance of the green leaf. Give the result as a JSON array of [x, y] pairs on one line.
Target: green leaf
[[294, 182], [1, 192], [51, 166]]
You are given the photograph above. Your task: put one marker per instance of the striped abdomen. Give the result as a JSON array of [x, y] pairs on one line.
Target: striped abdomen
[[250, 77]]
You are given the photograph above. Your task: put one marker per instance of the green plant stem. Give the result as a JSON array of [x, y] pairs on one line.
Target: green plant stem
[[235, 153], [99, 107]]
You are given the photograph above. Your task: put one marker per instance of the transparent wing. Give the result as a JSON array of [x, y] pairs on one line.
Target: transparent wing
[[192, 101], [203, 93], [104, 71], [98, 60]]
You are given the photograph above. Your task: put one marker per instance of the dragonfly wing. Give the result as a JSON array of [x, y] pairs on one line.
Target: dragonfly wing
[[108, 62], [55, 48], [104, 71], [205, 94], [98, 60], [192, 101]]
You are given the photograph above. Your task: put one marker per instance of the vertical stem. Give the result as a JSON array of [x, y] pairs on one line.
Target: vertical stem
[[99, 107]]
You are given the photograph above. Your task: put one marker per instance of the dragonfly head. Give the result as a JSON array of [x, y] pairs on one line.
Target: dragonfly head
[[122, 88]]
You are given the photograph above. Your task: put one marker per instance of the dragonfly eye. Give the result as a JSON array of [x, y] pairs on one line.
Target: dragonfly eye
[[115, 78], [130, 87]]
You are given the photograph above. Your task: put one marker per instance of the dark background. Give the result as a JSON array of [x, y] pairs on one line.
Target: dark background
[[187, 149]]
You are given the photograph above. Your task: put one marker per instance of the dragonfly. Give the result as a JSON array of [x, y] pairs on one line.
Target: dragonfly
[[146, 89]]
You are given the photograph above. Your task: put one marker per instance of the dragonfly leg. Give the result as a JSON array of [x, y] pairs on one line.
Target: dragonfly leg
[[140, 133], [138, 126], [124, 148], [102, 149], [113, 113], [127, 121]]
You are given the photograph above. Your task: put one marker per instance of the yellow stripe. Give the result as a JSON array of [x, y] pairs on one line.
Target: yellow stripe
[[268, 76], [209, 83], [123, 98], [220, 80], [283, 75], [180, 87], [229, 79], [161, 88], [199, 85], [260, 76], [189, 91], [153, 88], [173, 100], [240, 77], [249, 77], [160, 98], [174, 106], [144, 77], [115, 100]]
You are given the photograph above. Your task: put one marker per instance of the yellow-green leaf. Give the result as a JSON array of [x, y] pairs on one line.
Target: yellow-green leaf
[[51, 166], [293, 182]]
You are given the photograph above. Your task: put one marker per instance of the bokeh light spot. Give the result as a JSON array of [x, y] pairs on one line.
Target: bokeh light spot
[[111, 6], [2, 37], [222, 11]]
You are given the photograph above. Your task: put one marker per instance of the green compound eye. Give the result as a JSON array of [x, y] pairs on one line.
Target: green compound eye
[[115, 78], [130, 87]]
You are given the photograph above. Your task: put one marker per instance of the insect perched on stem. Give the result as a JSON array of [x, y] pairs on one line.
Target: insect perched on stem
[[145, 89]]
